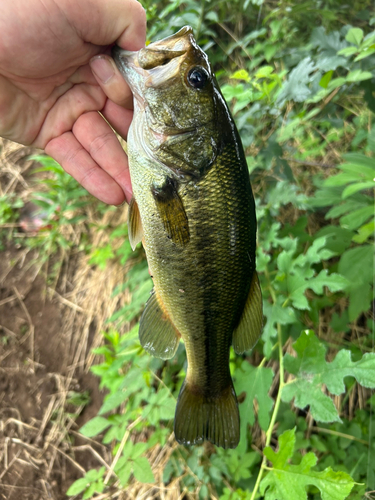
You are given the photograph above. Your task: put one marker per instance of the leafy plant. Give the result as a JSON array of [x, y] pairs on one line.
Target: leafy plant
[[299, 80], [285, 481], [59, 203]]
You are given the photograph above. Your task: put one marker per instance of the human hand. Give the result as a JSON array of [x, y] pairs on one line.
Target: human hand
[[49, 97]]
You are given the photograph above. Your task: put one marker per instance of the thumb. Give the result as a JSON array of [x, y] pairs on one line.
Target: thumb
[[104, 22], [111, 81]]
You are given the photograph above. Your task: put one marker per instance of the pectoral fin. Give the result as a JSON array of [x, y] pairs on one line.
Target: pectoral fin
[[248, 331], [135, 229], [157, 334], [172, 212]]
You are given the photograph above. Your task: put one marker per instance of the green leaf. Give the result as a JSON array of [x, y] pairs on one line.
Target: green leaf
[[342, 366], [341, 179], [355, 36], [335, 282], [89, 492], [365, 162], [256, 382], [77, 487], [365, 232], [289, 482], [347, 51], [275, 313], [95, 426], [241, 74], [359, 186], [365, 53], [338, 239], [312, 372], [358, 75], [295, 88], [345, 207], [356, 265], [355, 219], [94, 474], [296, 274], [359, 300], [326, 78], [142, 470], [123, 472], [113, 400], [264, 72]]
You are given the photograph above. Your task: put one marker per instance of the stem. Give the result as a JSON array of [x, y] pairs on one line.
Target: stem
[[274, 413], [200, 20], [339, 434]]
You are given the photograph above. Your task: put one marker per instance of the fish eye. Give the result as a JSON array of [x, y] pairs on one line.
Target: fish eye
[[197, 77]]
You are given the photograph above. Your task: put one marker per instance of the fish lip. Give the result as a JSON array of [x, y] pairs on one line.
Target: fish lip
[[129, 65], [157, 63], [124, 58]]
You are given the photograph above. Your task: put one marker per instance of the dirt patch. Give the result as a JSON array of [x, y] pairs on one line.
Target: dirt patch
[[41, 453]]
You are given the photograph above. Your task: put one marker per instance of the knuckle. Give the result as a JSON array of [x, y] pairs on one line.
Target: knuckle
[[99, 142], [84, 181]]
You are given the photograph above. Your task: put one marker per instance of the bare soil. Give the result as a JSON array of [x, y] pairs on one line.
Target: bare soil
[[40, 456]]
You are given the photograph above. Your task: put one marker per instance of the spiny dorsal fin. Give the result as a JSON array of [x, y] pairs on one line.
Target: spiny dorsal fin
[[157, 334], [135, 229], [172, 212], [248, 331]]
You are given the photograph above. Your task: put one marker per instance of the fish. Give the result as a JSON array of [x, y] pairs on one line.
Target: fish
[[194, 211]]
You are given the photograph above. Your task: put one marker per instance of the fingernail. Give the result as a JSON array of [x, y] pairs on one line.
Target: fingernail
[[102, 68]]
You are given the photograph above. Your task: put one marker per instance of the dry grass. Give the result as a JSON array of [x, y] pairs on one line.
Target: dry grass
[[48, 443], [82, 296]]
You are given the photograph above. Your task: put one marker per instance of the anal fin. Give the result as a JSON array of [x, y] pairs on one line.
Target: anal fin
[[135, 229], [249, 329], [157, 334]]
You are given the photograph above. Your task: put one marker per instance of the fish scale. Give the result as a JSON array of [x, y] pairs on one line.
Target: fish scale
[[194, 211]]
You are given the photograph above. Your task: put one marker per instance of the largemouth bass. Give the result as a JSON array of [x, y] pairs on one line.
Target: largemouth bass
[[193, 209]]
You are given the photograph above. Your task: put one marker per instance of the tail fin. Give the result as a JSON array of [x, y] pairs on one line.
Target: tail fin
[[199, 417]]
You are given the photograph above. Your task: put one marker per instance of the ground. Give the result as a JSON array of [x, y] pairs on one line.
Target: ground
[[40, 451]]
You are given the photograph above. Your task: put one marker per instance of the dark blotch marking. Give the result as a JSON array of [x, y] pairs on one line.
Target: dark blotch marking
[[172, 212]]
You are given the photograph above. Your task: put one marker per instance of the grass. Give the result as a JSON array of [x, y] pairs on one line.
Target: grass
[[82, 294]]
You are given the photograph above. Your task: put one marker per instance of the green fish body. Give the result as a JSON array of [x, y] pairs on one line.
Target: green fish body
[[194, 210]]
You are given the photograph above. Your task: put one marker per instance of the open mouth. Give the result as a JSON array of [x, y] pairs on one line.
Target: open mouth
[[157, 63]]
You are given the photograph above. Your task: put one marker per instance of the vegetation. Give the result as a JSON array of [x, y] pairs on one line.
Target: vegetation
[[300, 79]]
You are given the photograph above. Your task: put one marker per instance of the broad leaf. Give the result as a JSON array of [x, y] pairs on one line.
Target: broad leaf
[[94, 426], [256, 382], [142, 470], [275, 313], [312, 372], [354, 35], [290, 482], [358, 75], [295, 88]]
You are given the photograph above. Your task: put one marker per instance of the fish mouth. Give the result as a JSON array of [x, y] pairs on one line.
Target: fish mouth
[[156, 64]]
